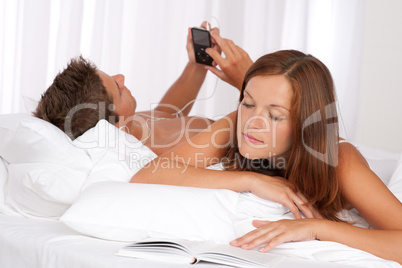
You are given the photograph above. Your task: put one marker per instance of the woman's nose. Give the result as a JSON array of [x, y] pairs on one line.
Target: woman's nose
[[258, 122]]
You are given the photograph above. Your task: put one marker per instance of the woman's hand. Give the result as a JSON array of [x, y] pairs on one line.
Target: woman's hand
[[234, 66], [275, 233], [279, 190]]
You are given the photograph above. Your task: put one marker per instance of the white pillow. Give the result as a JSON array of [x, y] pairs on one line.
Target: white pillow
[[3, 179], [395, 183], [48, 171], [42, 161], [114, 153], [27, 139], [43, 190], [132, 212], [4, 208]]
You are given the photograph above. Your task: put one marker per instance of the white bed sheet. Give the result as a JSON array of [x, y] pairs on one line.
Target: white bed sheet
[[50, 244]]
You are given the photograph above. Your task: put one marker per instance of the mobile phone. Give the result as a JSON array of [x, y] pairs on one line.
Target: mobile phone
[[201, 41]]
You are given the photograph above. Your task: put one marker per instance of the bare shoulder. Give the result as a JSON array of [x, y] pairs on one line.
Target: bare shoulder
[[362, 189], [350, 156], [352, 167]]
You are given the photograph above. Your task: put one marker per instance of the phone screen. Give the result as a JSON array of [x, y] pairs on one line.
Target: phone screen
[[201, 37]]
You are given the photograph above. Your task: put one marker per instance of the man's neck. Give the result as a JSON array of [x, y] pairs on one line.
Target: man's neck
[[134, 125]]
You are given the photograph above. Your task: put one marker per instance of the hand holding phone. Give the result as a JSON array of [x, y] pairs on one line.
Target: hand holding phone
[[201, 41]]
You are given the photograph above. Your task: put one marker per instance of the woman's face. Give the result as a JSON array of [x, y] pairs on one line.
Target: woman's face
[[263, 124]]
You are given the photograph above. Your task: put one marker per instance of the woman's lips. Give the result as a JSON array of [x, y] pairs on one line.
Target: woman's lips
[[251, 139]]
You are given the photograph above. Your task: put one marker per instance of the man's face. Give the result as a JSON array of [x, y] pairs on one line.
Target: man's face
[[123, 101]]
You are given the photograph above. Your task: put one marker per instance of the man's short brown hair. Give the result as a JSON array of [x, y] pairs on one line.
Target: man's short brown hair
[[76, 100]]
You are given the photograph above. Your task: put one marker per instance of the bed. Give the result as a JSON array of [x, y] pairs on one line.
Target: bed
[[68, 204]]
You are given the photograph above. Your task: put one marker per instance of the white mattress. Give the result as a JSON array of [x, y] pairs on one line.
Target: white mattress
[[40, 243]]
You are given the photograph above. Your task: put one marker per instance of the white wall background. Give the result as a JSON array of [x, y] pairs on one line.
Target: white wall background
[[379, 121]]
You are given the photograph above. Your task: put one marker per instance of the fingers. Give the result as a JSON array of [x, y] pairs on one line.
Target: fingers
[[297, 202], [259, 223], [215, 48], [204, 25], [289, 203], [308, 210], [302, 204], [223, 44], [290, 200], [269, 234], [189, 36], [215, 55], [234, 48], [317, 214], [276, 241], [275, 233], [214, 30], [245, 240]]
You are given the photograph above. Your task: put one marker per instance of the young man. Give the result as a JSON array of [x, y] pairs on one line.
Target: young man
[[81, 95]]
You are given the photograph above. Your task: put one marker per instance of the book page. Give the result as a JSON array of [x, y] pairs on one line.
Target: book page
[[158, 250], [226, 254]]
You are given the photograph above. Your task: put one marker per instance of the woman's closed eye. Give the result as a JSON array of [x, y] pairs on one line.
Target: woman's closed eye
[[275, 118], [247, 105]]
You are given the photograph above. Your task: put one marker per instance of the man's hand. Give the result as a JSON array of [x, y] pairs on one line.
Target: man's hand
[[190, 47], [234, 66]]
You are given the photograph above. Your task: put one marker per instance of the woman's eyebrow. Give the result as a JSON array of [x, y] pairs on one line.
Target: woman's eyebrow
[[279, 106], [245, 91]]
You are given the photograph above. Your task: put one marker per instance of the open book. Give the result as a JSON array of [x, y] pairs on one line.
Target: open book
[[183, 251]]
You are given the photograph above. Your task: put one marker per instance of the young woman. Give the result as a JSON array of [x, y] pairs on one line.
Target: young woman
[[284, 147]]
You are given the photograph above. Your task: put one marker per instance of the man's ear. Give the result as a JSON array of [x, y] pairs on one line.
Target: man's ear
[[120, 122]]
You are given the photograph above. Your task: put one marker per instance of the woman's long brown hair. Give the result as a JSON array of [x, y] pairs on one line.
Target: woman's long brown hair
[[311, 161]]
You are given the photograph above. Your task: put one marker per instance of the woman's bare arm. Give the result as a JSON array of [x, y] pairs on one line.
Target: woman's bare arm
[[363, 190]]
